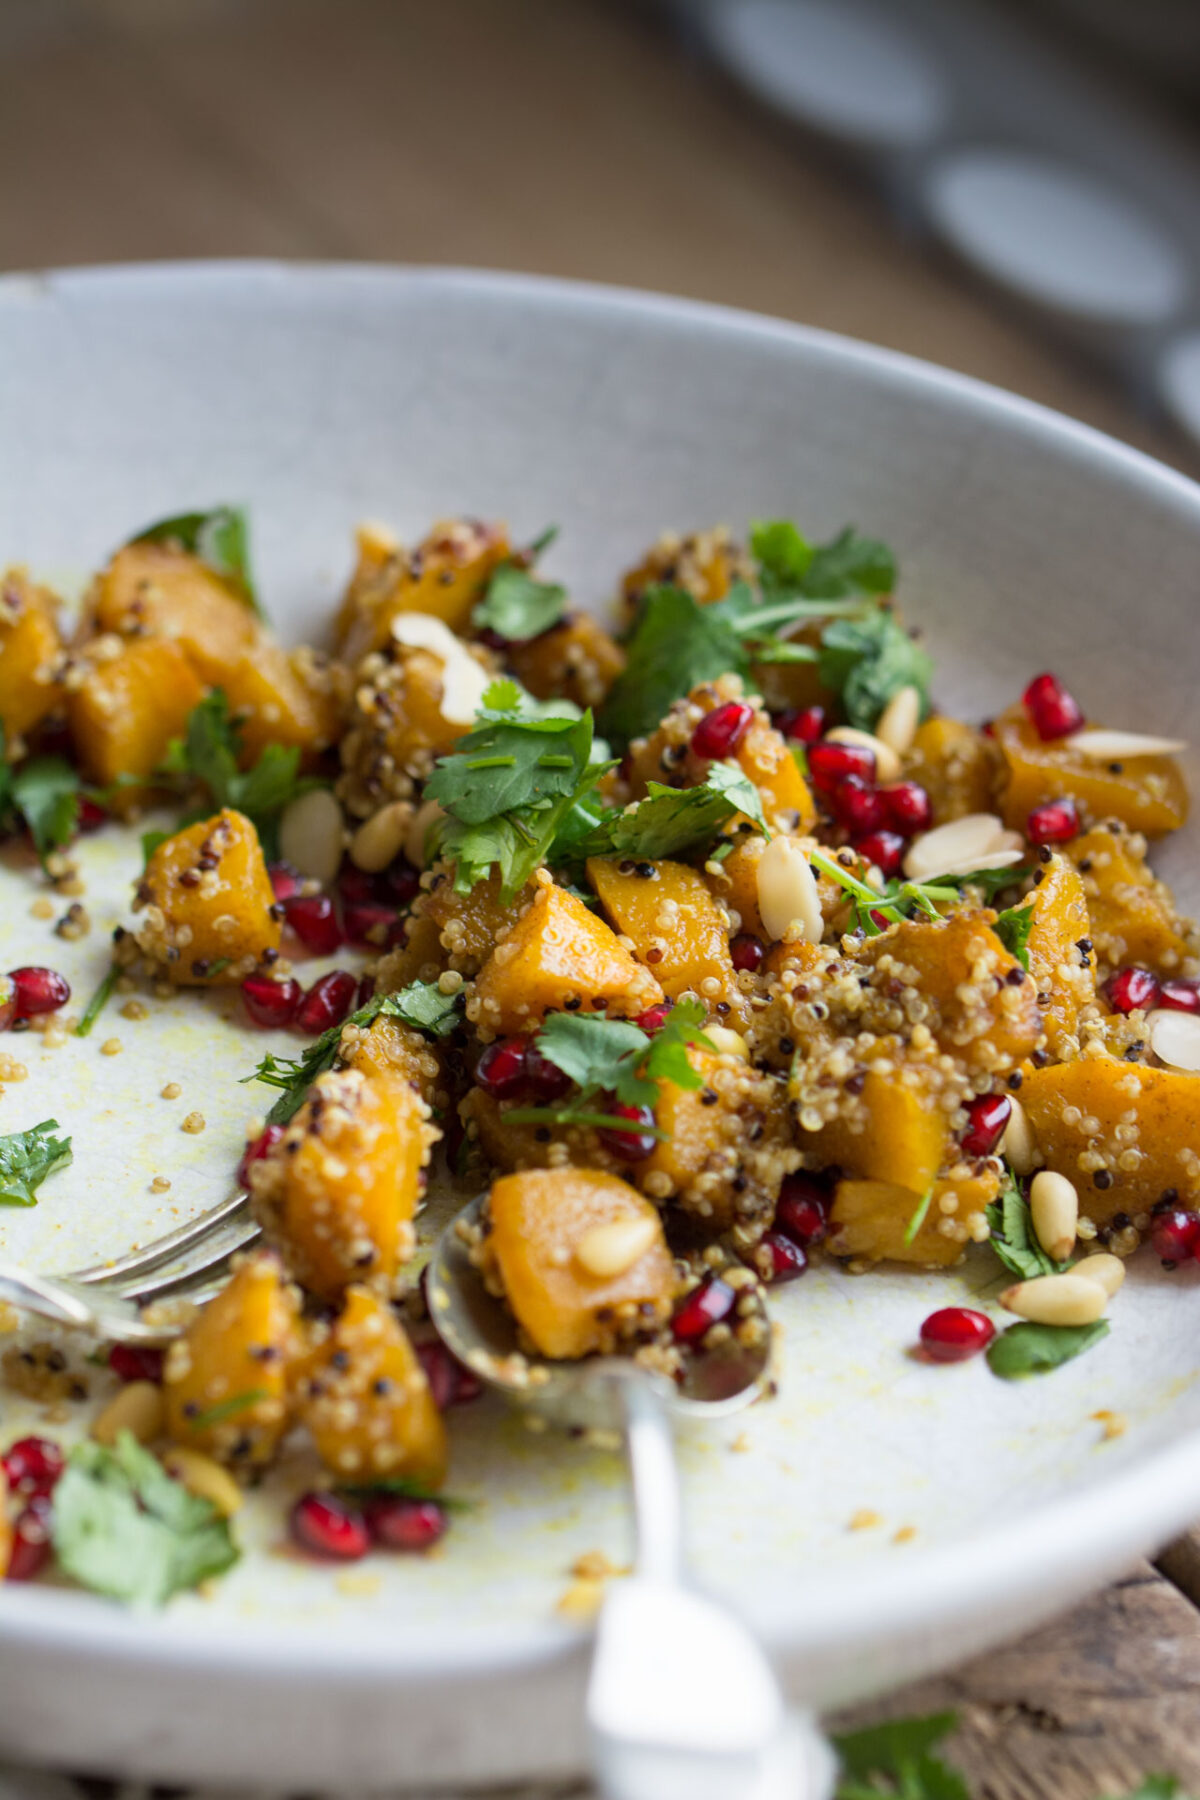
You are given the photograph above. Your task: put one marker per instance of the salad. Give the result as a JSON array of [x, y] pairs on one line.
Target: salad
[[705, 944]]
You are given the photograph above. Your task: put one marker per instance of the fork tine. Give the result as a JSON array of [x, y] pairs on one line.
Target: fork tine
[[164, 1249], [168, 1283]]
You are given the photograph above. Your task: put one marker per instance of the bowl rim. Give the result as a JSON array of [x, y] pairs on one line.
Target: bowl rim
[[1084, 1530]]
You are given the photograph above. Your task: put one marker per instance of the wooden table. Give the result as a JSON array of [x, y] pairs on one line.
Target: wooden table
[[571, 137]]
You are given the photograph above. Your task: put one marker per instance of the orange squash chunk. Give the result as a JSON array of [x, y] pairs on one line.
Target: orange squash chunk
[[470, 925], [576, 659], [207, 903], [1064, 980], [870, 1220], [339, 1191], [982, 1006], [1132, 914], [127, 710], [704, 563], [446, 575], [29, 655], [419, 958], [560, 957], [765, 756], [893, 1133], [1147, 793], [233, 1361], [540, 1220], [737, 883], [390, 1047], [956, 765], [673, 922], [725, 1144], [365, 1400], [157, 590], [273, 704]]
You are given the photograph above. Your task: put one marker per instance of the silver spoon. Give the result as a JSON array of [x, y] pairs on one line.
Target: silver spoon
[[682, 1703]]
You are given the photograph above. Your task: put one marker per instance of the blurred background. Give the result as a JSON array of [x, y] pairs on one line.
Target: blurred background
[[1011, 188]]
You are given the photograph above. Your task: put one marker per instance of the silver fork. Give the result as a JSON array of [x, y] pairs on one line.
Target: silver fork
[[106, 1299]]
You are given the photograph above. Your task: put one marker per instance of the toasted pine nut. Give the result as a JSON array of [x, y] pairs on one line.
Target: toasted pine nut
[[137, 1408], [1175, 1038], [1018, 1143], [787, 891], [897, 723], [727, 1042], [200, 1475], [1106, 1269], [1056, 1300], [310, 834], [418, 831], [887, 763], [380, 839], [608, 1250], [1054, 1210]]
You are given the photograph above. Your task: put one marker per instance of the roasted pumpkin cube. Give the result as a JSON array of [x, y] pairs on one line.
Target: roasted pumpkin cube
[[396, 728], [390, 1047], [207, 903], [1147, 793], [1133, 918], [546, 1249], [446, 575], [30, 655], [127, 709], [734, 880], [1060, 969], [339, 1191], [575, 660], [956, 765], [469, 925], [419, 958], [365, 1400], [766, 757], [1124, 1134], [704, 563], [281, 699], [559, 957], [225, 1380], [674, 924], [981, 1006], [872, 1220], [763, 755], [726, 1146], [160, 590], [892, 1131]]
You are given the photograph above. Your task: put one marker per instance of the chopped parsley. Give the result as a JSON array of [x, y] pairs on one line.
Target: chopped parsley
[[670, 820], [614, 1056], [1013, 927], [124, 1528], [897, 1759], [1028, 1349], [1013, 1238], [208, 754], [27, 1158], [220, 539]]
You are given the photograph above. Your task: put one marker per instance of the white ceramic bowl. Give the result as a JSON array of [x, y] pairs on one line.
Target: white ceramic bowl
[[323, 395]]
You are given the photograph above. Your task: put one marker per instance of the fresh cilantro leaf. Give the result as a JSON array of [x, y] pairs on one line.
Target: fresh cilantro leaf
[[676, 644], [667, 1059], [26, 1158], [421, 1005], [227, 1409], [670, 819], [850, 564], [897, 1758], [45, 791], [1013, 1240], [221, 539], [208, 754], [1013, 927], [867, 660], [517, 606], [782, 553], [595, 1053], [991, 882], [1027, 1349], [614, 1056], [98, 1002], [405, 1488], [124, 1528]]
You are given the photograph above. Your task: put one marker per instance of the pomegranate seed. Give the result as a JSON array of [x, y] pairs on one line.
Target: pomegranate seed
[[369, 924], [721, 731], [38, 991], [327, 1526], [285, 881], [1175, 1234], [32, 1465], [907, 807], [802, 724], [1055, 823], [880, 918], [955, 1333], [1054, 713], [1132, 990], [326, 1003], [802, 1212], [784, 1259], [404, 881], [8, 1002], [632, 1145], [136, 1362], [31, 1542], [883, 848], [271, 1003], [91, 814], [654, 1018], [546, 1080], [1180, 994], [399, 1523], [366, 990], [857, 805], [500, 1071], [256, 1149], [987, 1118], [829, 763], [314, 920], [747, 953], [704, 1307], [450, 1382], [355, 884]]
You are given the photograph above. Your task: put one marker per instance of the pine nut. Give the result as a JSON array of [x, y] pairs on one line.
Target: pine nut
[[1107, 1270], [897, 723], [887, 763], [1116, 746], [418, 832], [1018, 1143], [1056, 1300], [727, 1042], [200, 1475], [137, 1408], [310, 835], [380, 839], [608, 1250], [787, 891], [1175, 1038], [976, 841], [1054, 1210]]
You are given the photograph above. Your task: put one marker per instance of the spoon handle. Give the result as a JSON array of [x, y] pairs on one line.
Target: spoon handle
[[654, 1478]]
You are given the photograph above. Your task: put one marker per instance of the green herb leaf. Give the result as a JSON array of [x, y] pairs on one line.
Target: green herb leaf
[[98, 1002], [517, 606], [614, 1056], [867, 660], [595, 1053], [220, 538], [1013, 927], [124, 1528], [991, 882], [227, 1409], [850, 564], [208, 754], [897, 1758], [406, 1488], [1036, 1349], [1012, 1237], [676, 644], [782, 553], [45, 791], [671, 820], [920, 1214], [150, 842], [26, 1158]]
